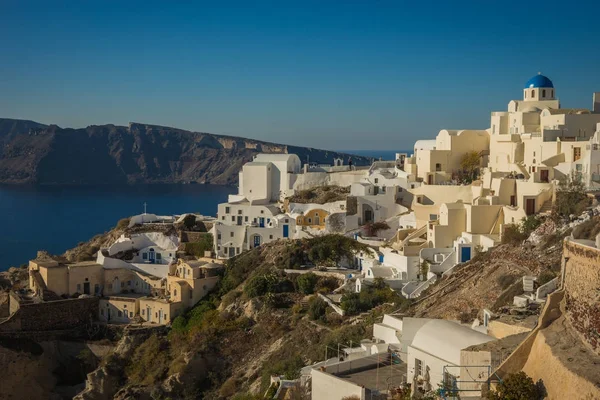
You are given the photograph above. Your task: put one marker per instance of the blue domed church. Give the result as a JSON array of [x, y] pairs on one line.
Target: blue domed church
[[538, 88]]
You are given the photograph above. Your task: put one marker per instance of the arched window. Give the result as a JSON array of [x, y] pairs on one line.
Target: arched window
[[543, 92], [532, 93], [552, 92]]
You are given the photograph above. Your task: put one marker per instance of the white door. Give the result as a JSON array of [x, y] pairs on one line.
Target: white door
[[160, 316], [148, 314]]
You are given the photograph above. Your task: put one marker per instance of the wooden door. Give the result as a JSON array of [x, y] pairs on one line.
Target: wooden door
[[530, 207]]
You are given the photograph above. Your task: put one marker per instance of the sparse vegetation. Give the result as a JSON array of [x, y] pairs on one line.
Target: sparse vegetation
[[197, 249], [123, 223], [321, 195], [372, 228], [571, 197], [369, 297]]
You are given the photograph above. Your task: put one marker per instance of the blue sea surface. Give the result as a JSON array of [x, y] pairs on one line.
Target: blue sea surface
[[386, 155], [56, 218]]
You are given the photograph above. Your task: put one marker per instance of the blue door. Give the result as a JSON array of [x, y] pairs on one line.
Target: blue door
[[261, 222], [256, 241], [381, 258], [151, 256], [286, 231], [465, 254]]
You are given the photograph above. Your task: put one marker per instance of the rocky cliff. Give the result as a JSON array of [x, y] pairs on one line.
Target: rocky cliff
[[139, 153]]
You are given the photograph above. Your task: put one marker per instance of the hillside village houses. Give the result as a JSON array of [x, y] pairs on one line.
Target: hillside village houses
[[137, 278], [432, 216]]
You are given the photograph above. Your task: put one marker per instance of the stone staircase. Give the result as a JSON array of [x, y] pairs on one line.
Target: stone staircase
[[546, 207]]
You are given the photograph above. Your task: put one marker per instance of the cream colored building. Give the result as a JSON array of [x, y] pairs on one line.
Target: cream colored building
[[189, 281]]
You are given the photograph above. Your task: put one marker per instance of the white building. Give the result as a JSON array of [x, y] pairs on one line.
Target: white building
[[435, 350]]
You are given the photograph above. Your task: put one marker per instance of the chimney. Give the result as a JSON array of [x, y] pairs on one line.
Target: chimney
[[596, 106]]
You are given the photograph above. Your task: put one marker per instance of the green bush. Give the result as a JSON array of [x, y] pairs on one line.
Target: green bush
[[317, 308], [256, 286], [306, 283], [518, 386], [238, 269], [329, 250]]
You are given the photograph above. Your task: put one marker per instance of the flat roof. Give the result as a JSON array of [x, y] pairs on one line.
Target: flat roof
[[376, 377]]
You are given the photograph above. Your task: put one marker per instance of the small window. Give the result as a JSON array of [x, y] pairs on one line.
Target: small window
[[143, 312], [246, 218], [219, 236], [231, 234], [144, 256], [223, 218], [124, 305], [438, 167], [532, 93], [543, 92], [156, 315], [128, 283], [576, 153], [418, 367], [310, 221], [270, 236], [233, 218], [227, 210], [552, 93], [262, 211], [287, 220], [376, 180], [158, 256], [239, 212], [131, 314], [175, 292], [86, 279]]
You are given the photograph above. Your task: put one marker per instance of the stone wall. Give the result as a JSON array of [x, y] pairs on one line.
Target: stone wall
[[52, 315], [582, 285]]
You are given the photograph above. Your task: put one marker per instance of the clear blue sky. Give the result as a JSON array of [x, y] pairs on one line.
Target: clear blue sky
[[364, 75]]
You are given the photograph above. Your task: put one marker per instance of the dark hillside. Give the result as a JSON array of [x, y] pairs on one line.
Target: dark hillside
[[139, 153]]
